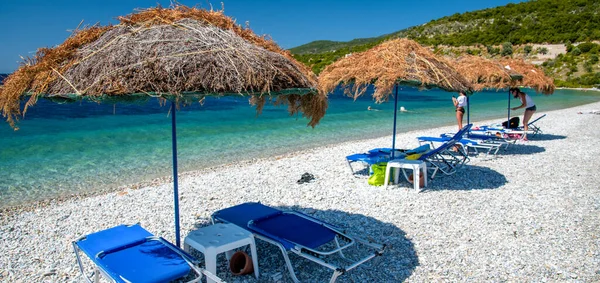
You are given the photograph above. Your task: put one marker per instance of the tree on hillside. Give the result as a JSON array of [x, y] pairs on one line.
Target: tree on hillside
[[507, 49]]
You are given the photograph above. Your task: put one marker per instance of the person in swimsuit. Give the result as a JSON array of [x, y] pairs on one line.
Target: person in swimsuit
[[460, 103], [528, 104]]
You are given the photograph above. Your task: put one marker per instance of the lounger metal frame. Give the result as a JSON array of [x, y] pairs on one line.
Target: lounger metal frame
[[536, 130], [444, 158], [487, 147], [317, 255]]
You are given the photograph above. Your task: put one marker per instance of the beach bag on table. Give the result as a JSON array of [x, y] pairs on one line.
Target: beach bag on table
[[378, 176]]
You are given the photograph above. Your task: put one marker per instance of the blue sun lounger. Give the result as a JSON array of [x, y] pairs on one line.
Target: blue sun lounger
[[294, 232], [508, 134], [129, 253], [446, 158], [469, 143], [367, 159], [376, 156]]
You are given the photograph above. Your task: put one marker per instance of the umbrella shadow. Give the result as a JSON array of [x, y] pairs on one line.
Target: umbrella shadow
[[548, 137], [470, 177], [521, 149], [397, 263]]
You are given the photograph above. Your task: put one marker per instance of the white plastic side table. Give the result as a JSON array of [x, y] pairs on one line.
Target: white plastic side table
[[415, 165], [222, 237]]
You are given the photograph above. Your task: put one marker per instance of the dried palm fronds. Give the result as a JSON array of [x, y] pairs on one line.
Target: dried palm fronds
[[165, 52], [484, 73], [396, 61], [533, 76]]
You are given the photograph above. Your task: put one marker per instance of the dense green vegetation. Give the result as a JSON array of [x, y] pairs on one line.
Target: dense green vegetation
[[577, 68], [502, 31], [319, 61], [541, 21], [321, 46]]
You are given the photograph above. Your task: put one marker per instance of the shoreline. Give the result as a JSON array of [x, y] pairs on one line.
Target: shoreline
[[580, 88], [29, 206], [31, 189], [528, 214]]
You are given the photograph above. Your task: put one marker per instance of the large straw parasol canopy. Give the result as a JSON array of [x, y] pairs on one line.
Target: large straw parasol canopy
[[400, 61], [484, 73], [170, 53], [533, 76]]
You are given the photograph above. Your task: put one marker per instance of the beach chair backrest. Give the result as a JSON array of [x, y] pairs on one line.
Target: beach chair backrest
[[448, 144], [537, 119], [445, 146], [462, 132]]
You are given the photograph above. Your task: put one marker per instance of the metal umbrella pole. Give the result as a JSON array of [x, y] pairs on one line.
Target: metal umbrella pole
[[508, 110], [175, 182], [468, 110], [395, 116]]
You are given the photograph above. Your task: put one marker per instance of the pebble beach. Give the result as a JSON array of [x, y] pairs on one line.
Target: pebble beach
[[529, 214]]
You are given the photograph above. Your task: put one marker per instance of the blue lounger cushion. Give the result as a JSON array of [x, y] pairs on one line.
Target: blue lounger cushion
[[243, 213], [132, 254], [291, 229], [112, 238], [285, 228], [419, 149], [366, 157]]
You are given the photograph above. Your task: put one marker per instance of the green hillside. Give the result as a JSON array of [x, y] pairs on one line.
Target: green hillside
[[500, 31], [321, 46], [541, 21]]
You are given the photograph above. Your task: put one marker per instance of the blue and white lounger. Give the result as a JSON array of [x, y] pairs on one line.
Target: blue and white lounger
[[376, 156], [509, 134], [367, 159], [294, 232], [129, 253], [469, 143]]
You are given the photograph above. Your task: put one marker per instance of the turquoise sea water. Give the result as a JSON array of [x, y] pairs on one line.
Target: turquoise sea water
[[62, 149]]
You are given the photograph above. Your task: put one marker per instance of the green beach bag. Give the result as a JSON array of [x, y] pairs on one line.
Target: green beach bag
[[378, 176]]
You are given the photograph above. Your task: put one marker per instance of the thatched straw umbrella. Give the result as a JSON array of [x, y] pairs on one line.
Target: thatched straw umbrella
[[392, 63], [178, 54], [484, 73], [533, 77]]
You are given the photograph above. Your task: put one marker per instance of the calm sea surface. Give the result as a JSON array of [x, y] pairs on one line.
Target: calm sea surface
[[62, 149]]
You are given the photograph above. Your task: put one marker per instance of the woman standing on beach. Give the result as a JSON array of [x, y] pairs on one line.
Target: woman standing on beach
[[459, 103], [527, 103]]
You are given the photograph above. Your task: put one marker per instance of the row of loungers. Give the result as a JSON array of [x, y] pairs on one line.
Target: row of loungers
[[445, 158], [129, 253], [445, 153]]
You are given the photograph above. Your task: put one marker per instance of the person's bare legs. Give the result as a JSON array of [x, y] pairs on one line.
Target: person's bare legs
[[526, 117], [459, 119]]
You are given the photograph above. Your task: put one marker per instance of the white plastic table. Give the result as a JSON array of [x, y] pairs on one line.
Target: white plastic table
[[415, 165], [218, 238]]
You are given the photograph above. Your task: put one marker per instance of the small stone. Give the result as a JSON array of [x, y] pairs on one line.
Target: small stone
[[49, 272]]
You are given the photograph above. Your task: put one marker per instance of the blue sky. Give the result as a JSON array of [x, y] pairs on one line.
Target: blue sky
[[26, 25]]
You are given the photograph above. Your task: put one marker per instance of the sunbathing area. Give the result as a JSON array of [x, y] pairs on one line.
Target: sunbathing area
[[483, 200], [527, 213]]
